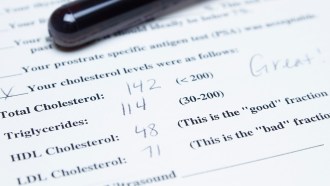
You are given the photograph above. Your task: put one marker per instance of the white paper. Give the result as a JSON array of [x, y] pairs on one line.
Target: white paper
[[218, 93]]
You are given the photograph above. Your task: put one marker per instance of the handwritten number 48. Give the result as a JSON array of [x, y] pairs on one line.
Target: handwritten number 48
[[149, 131]]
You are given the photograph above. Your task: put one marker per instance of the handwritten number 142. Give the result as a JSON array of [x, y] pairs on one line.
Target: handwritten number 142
[[142, 86]]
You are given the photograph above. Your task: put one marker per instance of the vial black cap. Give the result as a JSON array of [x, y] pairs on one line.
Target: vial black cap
[[82, 21]]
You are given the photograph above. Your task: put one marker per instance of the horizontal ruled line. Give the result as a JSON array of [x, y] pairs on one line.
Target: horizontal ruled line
[[6, 47], [253, 161], [8, 76], [15, 95], [4, 30]]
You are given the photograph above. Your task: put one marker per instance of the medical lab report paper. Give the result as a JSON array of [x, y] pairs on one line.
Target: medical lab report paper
[[222, 92]]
